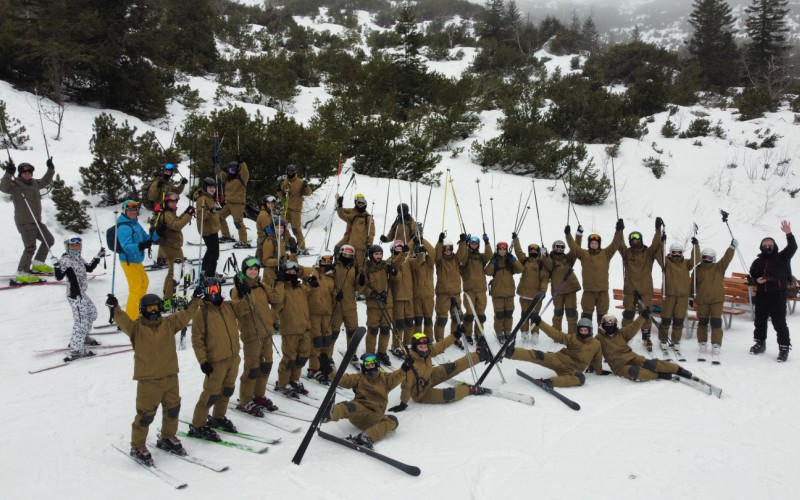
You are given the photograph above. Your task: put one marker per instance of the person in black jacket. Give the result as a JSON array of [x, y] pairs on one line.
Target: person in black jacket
[[771, 273]]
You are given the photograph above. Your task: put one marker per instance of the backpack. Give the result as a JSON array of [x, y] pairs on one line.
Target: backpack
[[112, 240], [146, 202]]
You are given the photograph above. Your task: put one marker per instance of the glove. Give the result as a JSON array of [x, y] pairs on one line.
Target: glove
[[362, 280], [101, 253], [339, 296], [513, 236], [567, 229], [663, 236], [190, 210], [242, 289], [734, 243], [206, 367], [420, 249], [10, 168], [535, 319], [407, 364], [184, 181], [50, 163], [216, 208], [112, 301], [543, 251], [160, 183], [340, 201], [313, 282], [400, 407], [404, 248], [462, 237], [580, 229], [620, 225], [198, 292], [145, 245], [458, 332], [375, 295], [694, 241], [382, 297], [486, 238], [659, 223], [645, 313], [55, 262], [383, 238], [392, 271], [280, 275], [441, 237]]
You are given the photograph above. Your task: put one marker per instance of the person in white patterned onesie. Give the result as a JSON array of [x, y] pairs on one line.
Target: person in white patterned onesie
[[74, 268]]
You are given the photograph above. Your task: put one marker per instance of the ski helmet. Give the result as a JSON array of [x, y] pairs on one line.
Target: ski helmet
[[447, 243], [402, 208], [209, 182], [609, 323], [232, 167], [291, 170], [676, 249], [25, 167], [249, 262], [213, 290], [325, 261], [474, 239], [533, 250], [584, 323], [369, 364], [398, 243], [151, 306], [171, 197], [594, 237], [709, 255], [360, 201], [268, 199], [559, 245], [502, 246], [279, 221], [347, 252], [420, 339], [73, 240], [130, 205], [168, 169], [373, 250], [636, 235], [291, 265]]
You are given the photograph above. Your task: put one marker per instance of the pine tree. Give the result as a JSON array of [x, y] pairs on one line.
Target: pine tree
[[766, 27], [12, 133], [72, 214], [712, 44], [589, 36], [411, 68]]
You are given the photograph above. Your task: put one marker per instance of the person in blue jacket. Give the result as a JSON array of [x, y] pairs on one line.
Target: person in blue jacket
[[134, 240]]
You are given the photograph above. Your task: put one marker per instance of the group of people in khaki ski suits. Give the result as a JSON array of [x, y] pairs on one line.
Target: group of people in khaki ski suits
[[410, 295]]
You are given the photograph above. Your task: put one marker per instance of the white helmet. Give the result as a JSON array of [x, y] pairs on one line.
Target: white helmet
[[709, 255], [447, 243], [676, 247]]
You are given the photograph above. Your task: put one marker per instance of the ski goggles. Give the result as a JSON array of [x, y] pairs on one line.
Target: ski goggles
[[74, 241], [251, 262], [130, 205], [635, 236], [361, 202], [326, 260], [213, 289], [152, 308], [502, 246], [677, 253], [27, 168], [370, 362], [169, 167], [559, 247], [475, 240], [594, 237]]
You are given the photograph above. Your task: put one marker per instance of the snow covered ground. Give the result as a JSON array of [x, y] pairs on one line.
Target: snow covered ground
[[629, 440]]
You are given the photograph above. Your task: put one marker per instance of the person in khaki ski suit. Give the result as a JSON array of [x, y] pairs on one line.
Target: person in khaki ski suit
[[709, 299], [320, 306], [422, 377], [375, 277], [171, 242], [235, 176], [472, 262], [626, 363], [448, 286], [502, 267], [271, 250], [292, 191], [534, 279], [295, 336], [215, 340], [345, 276], [256, 327], [581, 350], [263, 221], [594, 271], [675, 296], [206, 209], [25, 193], [558, 264], [402, 297], [637, 263], [422, 273], [162, 184], [403, 228], [367, 410], [155, 369], [360, 227]]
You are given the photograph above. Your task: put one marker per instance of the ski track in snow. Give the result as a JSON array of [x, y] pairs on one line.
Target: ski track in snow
[[654, 439]]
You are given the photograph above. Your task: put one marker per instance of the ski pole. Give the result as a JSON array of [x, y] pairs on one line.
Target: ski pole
[[114, 263], [41, 122], [386, 206], [200, 248], [694, 262], [614, 180], [527, 207], [427, 205], [38, 227], [402, 214], [97, 226], [516, 217], [458, 208], [480, 203], [738, 253], [538, 217], [459, 321], [444, 206], [494, 235]]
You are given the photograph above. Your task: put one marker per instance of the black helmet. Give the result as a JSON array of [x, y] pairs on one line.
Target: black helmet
[[249, 262], [635, 235], [291, 170], [151, 306], [373, 249], [369, 364], [594, 237], [24, 167], [402, 208], [209, 181], [232, 167]]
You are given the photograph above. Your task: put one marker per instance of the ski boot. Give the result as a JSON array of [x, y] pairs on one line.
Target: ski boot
[[501, 337], [265, 403], [204, 432], [648, 344], [399, 352], [547, 384], [665, 376], [142, 454], [321, 377], [361, 440], [160, 264], [476, 390], [783, 353], [459, 344], [226, 239], [676, 348], [242, 244], [758, 348], [251, 409], [221, 423], [302, 251], [26, 278], [702, 351], [327, 415], [298, 387], [683, 372], [287, 391], [38, 267], [383, 359], [172, 445], [715, 354], [78, 355], [483, 350], [470, 340], [90, 341]]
